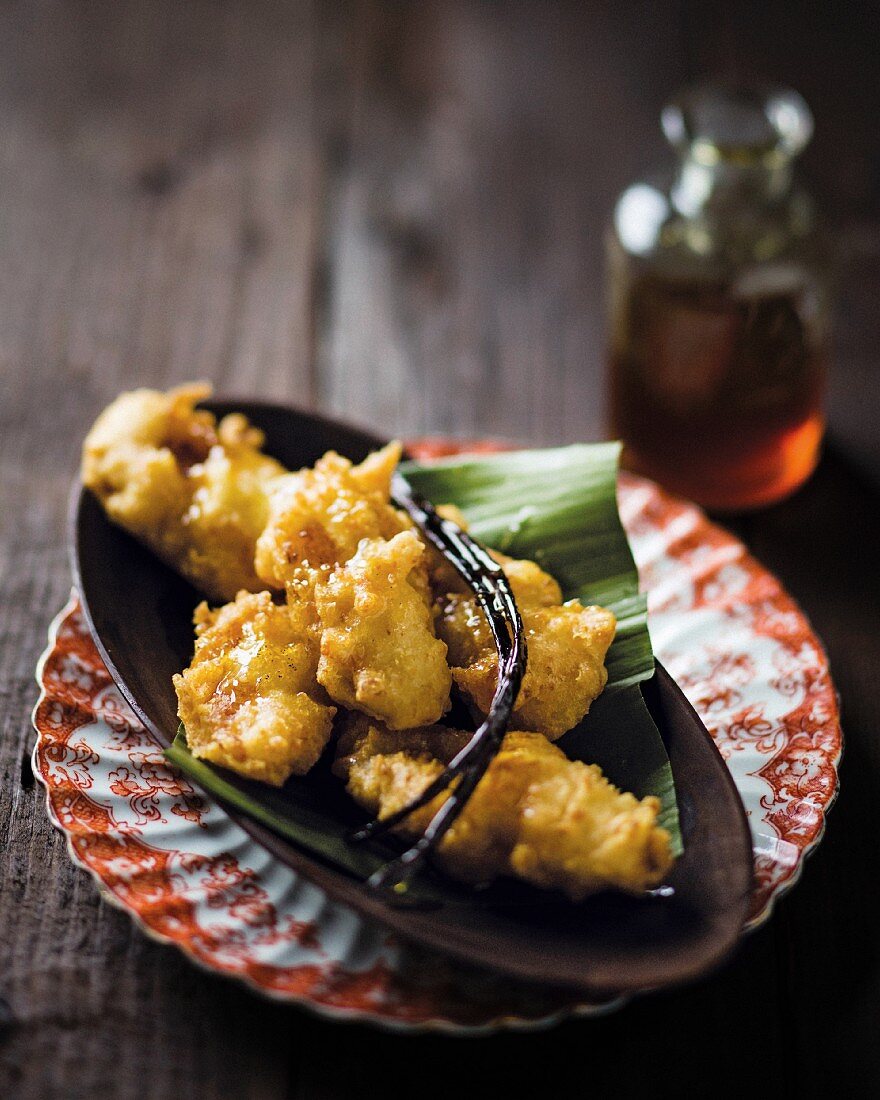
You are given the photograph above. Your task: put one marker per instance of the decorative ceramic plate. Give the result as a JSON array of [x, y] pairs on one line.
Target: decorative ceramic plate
[[726, 630]]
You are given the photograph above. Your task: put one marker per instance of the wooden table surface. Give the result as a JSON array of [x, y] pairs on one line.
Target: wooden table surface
[[394, 213]]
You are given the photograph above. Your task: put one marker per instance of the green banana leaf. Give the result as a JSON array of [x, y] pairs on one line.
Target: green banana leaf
[[559, 508]]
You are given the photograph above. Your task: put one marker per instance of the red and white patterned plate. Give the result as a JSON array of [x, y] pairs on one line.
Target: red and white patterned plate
[[736, 642]]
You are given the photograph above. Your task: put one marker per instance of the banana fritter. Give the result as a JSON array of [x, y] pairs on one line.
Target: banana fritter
[[193, 490], [357, 570], [250, 700], [379, 653], [318, 516], [535, 814], [567, 644]]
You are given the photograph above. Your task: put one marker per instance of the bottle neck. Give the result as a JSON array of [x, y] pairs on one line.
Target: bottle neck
[[721, 188]]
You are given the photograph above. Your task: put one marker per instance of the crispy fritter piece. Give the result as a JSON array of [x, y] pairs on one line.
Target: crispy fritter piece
[[535, 814], [379, 652], [567, 644], [317, 516], [250, 700], [193, 490]]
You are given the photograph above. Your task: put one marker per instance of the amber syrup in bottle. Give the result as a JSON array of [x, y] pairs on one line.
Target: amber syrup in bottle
[[719, 306]]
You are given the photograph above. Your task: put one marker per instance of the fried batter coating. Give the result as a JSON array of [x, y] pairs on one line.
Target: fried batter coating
[[318, 516], [193, 490], [250, 700], [535, 814], [567, 644], [357, 571], [379, 653]]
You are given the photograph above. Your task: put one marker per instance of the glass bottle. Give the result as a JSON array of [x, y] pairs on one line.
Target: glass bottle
[[719, 301]]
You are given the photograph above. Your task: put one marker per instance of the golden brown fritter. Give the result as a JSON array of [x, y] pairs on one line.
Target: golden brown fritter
[[317, 516], [356, 569], [535, 814], [193, 490], [567, 644], [250, 700], [379, 653]]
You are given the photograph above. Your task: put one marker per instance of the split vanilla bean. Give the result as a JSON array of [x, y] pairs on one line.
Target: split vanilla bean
[[493, 593]]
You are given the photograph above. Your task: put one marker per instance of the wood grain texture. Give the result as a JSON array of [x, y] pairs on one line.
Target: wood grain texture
[[394, 212]]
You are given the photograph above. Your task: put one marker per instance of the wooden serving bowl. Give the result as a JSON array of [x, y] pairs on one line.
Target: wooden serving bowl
[[140, 614]]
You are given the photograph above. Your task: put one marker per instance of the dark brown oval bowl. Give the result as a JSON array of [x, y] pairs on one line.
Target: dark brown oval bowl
[[140, 614]]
